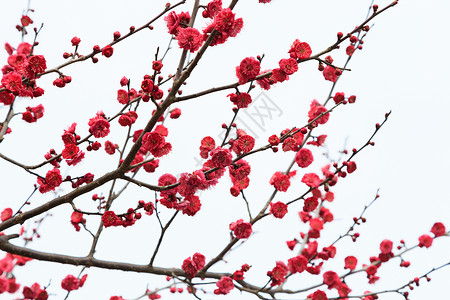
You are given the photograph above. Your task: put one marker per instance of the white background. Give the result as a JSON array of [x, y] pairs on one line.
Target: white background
[[403, 68]]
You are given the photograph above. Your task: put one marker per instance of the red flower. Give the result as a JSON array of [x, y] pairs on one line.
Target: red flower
[[6, 98], [194, 205], [289, 66], [318, 295], [278, 209], [175, 113], [330, 73], [70, 283], [76, 218], [37, 63], [250, 67], [386, 246], [224, 20], [70, 151], [12, 81], [274, 140], [99, 126], [6, 214], [241, 100], [152, 140], [221, 158], [192, 266], [25, 20], [339, 97], [75, 41], [225, 285], [316, 224], [297, 264], [349, 50], [241, 229], [310, 204], [304, 158], [278, 274], [157, 65], [173, 21], [110, 148], [52, 180], [331, 279], [24, 48], [109, 218], [245, 143], [107, 51], [350, 262], [311, 180], [212, 9], [371, 270], [189, 39], [122, 96], [319, 140], [425, 241], [438, 229], [300, 50], [280, 181], [316, 110]]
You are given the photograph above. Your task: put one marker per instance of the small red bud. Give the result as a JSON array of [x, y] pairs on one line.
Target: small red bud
[[132, 28], [375, 8], [340, 35], [116, 35], [321, 67]]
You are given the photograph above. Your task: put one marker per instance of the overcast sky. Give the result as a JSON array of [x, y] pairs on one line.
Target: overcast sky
[[402, 68]]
